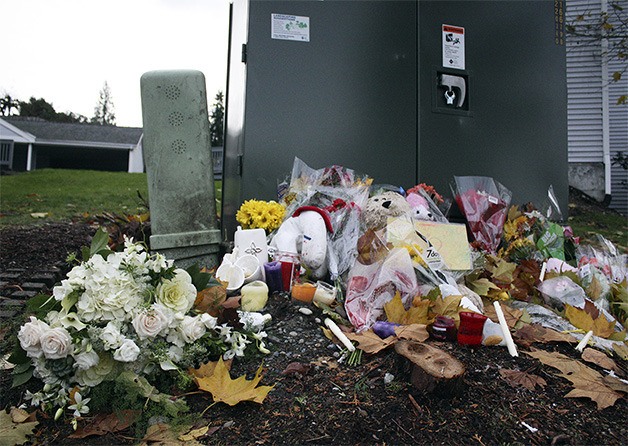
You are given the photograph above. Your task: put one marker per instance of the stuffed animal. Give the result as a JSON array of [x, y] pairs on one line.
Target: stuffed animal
[[420, 208], [380, 207], [305, 233]]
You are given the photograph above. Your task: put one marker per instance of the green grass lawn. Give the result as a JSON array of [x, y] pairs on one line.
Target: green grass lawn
[[61, 194]]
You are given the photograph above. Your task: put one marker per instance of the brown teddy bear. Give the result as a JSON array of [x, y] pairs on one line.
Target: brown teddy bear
[[381, 206], [372, 246]]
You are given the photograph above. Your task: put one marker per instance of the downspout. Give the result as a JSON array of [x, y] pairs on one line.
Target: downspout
[[29, 158], [606, 142]]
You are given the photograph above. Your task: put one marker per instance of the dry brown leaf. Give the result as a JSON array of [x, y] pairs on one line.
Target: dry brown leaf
[[621, 350], [590, 321], [194, 434], [233, 391], [412, 332], [20, 415], [369, 342], [296, 368], [210, 300], [161, 434], [600, 359], [512, 315], [587, 382], [103, 424], [326, 361], [517, 378], [395, 312], [530, 333]]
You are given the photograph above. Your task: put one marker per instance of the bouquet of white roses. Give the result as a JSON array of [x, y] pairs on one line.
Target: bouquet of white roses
[[123, 316]]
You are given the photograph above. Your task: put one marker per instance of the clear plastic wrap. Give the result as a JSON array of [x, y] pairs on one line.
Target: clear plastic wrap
[[484, 203]]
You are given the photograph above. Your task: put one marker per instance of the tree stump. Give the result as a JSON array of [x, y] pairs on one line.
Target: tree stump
[[432, 369]]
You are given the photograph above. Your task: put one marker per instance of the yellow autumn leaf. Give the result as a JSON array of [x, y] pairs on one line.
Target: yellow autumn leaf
[[594, 290], [500, 269], [396, 312], [233, 391], [447, 307], [581, 319], [483, 286]]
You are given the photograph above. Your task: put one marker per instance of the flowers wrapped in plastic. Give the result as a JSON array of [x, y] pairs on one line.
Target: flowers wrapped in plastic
[[127, 318], [484, 203]]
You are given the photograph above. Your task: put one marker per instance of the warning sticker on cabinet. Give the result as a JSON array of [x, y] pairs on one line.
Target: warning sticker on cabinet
[[290, 27], [453, 47]]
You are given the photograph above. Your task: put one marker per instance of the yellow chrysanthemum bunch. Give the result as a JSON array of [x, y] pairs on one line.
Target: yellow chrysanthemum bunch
[[266, 215]]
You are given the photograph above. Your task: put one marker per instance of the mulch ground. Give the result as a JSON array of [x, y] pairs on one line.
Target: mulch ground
[[316, 400]]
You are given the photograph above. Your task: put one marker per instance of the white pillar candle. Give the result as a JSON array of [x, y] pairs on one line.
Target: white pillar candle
[[512, 348], [339, 334], [254, 296], [583, 343], [542, 275]]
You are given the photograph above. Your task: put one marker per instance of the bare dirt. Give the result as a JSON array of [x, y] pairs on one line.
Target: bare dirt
[[316, 400]]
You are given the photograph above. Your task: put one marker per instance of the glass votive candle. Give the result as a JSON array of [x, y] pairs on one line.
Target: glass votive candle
[[290, 268], [303, 291], [470, 330], [444, 329], [325, 293]]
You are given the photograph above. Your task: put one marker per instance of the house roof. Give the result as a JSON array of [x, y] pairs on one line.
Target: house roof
[[47, 132]]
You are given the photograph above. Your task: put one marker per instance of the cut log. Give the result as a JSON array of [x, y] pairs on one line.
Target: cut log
[[432, 369]]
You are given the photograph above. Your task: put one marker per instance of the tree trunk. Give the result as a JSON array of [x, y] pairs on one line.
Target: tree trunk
[[432, 369]]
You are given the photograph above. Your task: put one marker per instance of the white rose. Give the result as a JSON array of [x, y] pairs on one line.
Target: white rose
[[86, 360], [56, 343], [192, 328], [128, 351], [30, 335], [178, 293], [209, 320], [111, 336], [154, 321]]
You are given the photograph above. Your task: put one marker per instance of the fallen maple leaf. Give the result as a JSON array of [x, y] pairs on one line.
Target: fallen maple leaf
[[512, 315], [587, 382], [207, 369], [210, 300], [103, 424], [395, 311], [517, 378], [530, 333], [412, 332], [600, 359], [233, 391], [14, 433], [162, 434], [590, 320], [369, 342], [447, 307], [482, 286]]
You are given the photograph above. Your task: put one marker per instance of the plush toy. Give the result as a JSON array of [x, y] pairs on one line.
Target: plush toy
[[420, 208], [380, 207], [305, 233]]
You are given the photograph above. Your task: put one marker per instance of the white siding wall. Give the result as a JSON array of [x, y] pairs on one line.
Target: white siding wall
[[584, 103]]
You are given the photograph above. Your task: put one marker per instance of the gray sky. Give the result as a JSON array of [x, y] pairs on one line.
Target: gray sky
[[65, 50]]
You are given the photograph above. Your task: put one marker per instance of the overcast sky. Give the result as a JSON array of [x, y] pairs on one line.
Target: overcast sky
[[65, 50]]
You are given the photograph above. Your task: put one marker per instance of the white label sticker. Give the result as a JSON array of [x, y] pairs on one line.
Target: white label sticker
[[453, 47], [290, 27]]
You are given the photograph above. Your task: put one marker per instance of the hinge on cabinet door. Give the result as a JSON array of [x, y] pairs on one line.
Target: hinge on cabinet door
[[244, 53]]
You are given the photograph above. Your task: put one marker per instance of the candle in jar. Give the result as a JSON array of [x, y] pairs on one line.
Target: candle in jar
[[254, 296], [303, 291], [325, 293]]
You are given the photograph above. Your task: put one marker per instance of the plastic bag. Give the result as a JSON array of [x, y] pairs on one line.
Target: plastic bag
[[606, 258], [369, 287], [342, 193], [484, 203]]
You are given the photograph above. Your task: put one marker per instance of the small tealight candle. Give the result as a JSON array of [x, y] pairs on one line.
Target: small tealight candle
[[254, 296], [325, 293]]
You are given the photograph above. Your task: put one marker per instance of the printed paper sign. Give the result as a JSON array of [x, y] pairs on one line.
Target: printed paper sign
[[290, 27], [453, 47]]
